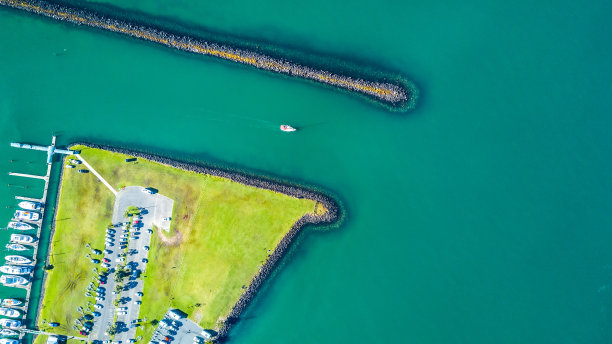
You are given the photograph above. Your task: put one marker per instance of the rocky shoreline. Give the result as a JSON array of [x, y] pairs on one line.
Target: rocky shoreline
[[396, 96], [331, 216]]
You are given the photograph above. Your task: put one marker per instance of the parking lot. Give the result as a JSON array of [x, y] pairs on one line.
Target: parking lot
[[128, 246], [172, 330]]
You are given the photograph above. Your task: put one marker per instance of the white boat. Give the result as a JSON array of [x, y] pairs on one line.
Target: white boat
[[22, 226], [8, 333], [21, 239], [18, 259], [10, 323], [27, 205], [15, 270], [8, 341], [16, 247], [12, 280], [9, 312], [69, 166], [75, 161], [287, 128], [11, 302], [26, 215]]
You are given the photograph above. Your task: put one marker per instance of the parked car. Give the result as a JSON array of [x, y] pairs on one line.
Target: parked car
[[146, 248], [139, 294], [105, 265], [137, 302], [135, 273], [150, 192], [96, 314], [145, 260], [106, 260], [166, 218], [120, 260], [107, 251], [98, 306], [99, 298], [121, 313]]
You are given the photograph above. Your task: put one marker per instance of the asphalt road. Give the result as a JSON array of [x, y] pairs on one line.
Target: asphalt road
[[156, 207]]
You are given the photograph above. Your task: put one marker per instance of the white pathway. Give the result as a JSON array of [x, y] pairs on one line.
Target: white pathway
[[96, 174]]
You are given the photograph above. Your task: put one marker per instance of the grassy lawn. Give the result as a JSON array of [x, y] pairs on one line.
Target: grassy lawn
[[221, 233], [84, 211]]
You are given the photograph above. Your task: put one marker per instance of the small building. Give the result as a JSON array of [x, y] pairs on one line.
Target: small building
[[176, 314]]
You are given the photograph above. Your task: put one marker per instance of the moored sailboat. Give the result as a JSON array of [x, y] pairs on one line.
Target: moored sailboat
[[22, 226]]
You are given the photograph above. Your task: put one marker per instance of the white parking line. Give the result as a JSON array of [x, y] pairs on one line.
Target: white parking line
[[96, 174]]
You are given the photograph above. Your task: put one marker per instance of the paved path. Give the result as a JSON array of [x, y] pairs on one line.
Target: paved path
[[156, 207], [96, 174]]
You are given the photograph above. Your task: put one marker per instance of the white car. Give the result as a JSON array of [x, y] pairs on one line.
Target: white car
[[99, 298], [120, 260], [147, 191], [121, 313], [120, 309], [98, 306], [146, 248], [137, 302], [106, 265], [166, 218]]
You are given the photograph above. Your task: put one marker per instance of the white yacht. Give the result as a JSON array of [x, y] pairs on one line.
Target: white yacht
[[12, 280], [10, 323], [21, 239], [15, 259], [9, 341], [22, 226], [27, 205], [16, 247], [26, 215], [11, 302], [9, 312], [8, 333], [15, 270]]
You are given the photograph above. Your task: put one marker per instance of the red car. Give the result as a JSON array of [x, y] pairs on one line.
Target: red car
[[82, 333], [102, 282], [106, 260]]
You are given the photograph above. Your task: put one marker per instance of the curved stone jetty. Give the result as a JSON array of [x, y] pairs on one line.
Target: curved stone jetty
[[396, 96]]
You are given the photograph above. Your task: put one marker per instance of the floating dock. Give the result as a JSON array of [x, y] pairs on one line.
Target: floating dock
[[51, 150]]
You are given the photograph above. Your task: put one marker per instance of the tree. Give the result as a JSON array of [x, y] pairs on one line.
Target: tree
[[131, 211]]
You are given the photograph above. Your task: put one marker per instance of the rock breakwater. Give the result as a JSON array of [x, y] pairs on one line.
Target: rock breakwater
[[331, 215], [396, 96]]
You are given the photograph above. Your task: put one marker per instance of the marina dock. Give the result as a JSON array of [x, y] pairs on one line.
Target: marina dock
[[51, 150]]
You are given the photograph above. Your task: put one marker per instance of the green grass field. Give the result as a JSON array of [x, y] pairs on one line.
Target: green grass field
[[221, 234], [83, 213]]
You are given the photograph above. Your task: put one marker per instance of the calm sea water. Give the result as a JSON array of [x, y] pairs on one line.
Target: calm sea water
[[481, 217]]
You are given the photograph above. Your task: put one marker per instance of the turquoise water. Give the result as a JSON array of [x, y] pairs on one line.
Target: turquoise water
[[482, 216]]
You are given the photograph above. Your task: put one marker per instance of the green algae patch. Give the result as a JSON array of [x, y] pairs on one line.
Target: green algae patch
[[222, 233]]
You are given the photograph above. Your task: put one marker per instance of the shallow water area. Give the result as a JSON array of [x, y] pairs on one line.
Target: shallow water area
[[482, 216]]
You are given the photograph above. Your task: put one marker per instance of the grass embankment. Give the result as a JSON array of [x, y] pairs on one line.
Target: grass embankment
[[222, 232], [83, 213]]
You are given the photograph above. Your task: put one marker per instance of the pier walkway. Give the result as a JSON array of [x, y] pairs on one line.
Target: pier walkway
[[96, 174]]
